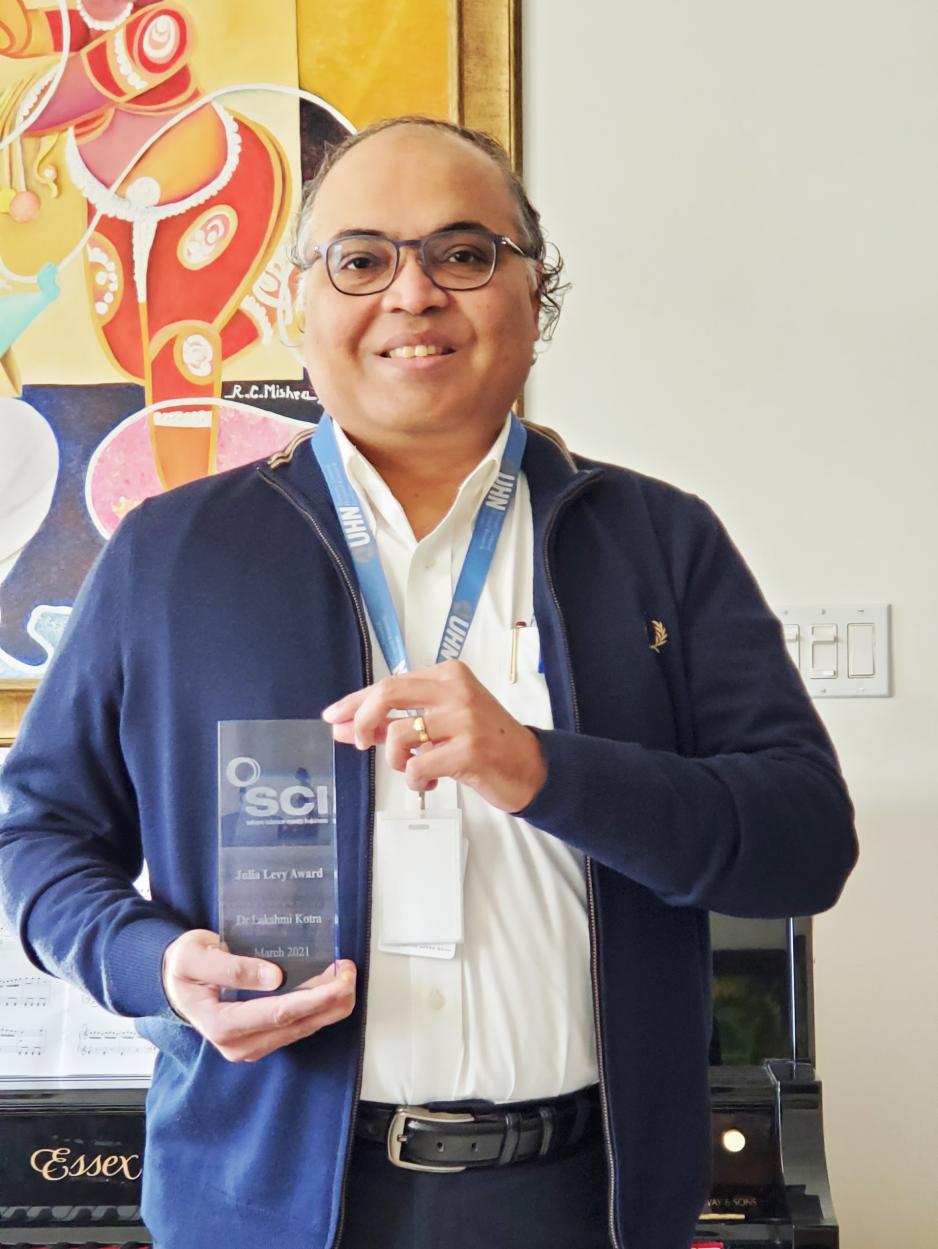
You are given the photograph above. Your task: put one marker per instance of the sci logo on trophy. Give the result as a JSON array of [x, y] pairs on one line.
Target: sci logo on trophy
[[265, 800]]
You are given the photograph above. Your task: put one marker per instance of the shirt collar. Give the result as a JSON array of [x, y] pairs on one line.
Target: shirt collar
[[380, 503]]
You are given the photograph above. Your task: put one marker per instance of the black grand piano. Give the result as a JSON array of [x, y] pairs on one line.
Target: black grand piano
[[71, 1159]]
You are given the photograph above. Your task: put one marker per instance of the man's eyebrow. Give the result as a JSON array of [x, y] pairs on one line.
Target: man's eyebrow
[[452, 225], [467, 225], [344, 234]]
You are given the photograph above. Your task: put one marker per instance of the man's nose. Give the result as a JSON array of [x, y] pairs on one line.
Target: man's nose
[[412, 291]]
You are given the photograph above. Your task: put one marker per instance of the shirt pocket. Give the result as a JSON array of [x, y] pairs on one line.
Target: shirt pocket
[[526, 696]]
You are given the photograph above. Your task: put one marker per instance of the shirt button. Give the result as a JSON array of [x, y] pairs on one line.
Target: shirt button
[[436, 999]]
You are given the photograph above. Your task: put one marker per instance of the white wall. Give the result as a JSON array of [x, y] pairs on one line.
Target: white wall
[[746, 195]]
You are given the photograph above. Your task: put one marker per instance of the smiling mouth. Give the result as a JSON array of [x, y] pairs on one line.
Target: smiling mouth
[[419, 350]]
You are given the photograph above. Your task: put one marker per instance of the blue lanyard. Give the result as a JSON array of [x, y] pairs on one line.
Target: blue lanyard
[[363, 547]]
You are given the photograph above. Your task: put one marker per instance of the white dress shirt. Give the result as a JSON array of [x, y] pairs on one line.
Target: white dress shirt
[[510, 1016]]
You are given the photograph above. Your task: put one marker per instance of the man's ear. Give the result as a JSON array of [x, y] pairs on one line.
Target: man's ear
[[537, 277]]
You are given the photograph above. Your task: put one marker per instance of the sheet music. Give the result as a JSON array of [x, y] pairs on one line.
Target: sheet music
[[32, 1008], [24, 991], [95, 1042], [18, 1043], [51, 1029]]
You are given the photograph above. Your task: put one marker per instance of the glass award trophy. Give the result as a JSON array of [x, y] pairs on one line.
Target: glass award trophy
[[277, 886]]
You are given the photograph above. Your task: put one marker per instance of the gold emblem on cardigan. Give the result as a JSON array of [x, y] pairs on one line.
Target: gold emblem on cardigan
[[659, 636]]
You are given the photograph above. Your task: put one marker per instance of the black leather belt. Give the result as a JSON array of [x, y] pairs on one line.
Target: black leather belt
[[420, 1139]]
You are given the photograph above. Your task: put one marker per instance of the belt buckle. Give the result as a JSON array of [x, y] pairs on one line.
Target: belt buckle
[[397, 1135]]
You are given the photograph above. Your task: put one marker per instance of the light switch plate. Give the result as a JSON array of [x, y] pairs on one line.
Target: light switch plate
[[841, 651]]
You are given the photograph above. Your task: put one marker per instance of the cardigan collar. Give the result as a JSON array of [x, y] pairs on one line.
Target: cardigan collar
[[553, 475]]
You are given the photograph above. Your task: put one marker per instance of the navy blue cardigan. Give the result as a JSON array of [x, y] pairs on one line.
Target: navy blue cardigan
[[691, 770]]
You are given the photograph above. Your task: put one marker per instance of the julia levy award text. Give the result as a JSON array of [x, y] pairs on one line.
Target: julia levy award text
[[277, 887]]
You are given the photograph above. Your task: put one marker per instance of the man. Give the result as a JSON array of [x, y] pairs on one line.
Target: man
[[623, 733]]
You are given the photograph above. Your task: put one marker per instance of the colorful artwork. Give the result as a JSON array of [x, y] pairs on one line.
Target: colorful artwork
[[152, 154], [175, 204], [186, 202]]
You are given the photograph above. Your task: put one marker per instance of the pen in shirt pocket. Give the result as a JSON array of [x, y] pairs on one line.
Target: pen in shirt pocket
[[515, 636]]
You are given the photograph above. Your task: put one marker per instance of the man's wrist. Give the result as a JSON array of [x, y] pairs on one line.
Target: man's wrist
[[535, 775]]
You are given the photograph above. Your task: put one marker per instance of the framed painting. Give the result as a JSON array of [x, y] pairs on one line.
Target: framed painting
[[152, 156]]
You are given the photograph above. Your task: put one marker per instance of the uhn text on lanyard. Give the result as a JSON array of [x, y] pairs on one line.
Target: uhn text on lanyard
[[364, 549]]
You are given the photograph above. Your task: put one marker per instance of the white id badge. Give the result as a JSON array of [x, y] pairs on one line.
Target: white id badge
[[419, 867], [439, 949], [443, 949]]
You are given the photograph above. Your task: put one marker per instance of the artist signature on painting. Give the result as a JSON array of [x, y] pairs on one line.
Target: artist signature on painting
[[267, 390]]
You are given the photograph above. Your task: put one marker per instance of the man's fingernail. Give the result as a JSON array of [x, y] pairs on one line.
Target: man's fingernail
[[326, 712], [269, 977], [347, 976]]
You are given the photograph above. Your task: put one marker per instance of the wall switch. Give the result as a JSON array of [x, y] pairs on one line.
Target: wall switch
[[823, 651], [846, 650], [792, 634], [861, 651]]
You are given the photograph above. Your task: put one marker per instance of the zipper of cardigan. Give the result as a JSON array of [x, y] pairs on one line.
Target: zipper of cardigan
[[361, 1052], [369, 678], [590, 898]]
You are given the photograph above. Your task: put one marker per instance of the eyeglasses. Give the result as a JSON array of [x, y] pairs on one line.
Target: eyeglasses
[[454, 260]]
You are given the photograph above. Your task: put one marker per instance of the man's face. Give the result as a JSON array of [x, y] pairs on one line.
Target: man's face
[[406, 182]]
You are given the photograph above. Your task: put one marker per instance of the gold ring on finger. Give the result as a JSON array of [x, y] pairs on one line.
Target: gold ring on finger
[[420, 728]]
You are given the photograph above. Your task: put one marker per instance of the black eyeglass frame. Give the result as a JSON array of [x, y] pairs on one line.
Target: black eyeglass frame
[[321, 252]]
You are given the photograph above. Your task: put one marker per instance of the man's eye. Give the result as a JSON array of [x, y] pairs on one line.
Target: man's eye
[[464, 255], [360, 262]]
